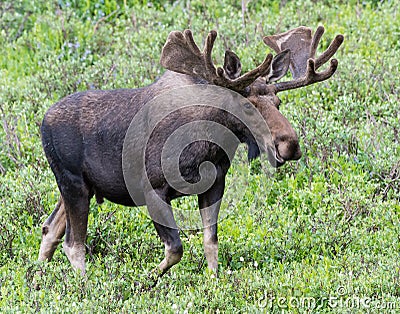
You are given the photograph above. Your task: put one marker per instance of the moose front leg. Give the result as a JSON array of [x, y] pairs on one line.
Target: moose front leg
[[161, 213], [209, 204], [173, 247]]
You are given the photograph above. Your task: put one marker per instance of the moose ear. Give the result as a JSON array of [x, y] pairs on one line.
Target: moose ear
[[232, 65], [279, 66]]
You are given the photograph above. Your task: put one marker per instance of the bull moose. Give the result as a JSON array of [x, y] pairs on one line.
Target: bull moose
[[83, 137]]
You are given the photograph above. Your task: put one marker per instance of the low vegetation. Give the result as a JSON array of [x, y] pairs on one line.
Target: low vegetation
[[318, 235]]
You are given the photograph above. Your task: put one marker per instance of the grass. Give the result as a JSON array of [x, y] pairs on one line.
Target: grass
[[324, 229]]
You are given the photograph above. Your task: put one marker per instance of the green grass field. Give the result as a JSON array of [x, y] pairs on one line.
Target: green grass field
[[319, 236]]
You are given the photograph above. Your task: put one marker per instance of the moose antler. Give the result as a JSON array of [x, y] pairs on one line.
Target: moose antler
[[303, 64], [181, 54]]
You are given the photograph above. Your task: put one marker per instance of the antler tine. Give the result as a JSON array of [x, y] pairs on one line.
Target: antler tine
[[328, 53], [311, 76], [208, 46], [190, 41], [315, 41]]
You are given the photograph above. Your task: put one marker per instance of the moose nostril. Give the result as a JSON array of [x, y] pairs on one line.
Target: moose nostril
[[295, 150], [288, 149], [297, 154]]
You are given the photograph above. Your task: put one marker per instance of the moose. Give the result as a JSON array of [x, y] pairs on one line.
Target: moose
[[83, 138]]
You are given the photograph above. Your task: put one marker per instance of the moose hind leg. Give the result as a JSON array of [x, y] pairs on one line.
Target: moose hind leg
[[53, 230], [76, 199]]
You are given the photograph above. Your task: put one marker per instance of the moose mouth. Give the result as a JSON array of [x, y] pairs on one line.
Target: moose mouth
[[274, 158]]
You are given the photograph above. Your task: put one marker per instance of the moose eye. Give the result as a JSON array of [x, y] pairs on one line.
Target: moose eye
[[248, 105], [278, 104]]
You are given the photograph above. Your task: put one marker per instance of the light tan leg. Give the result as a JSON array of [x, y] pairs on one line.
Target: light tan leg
[[209, 204], [52, 232], [209, 217], [163, 219], [172, 256], [76, 255], [173, 252]]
